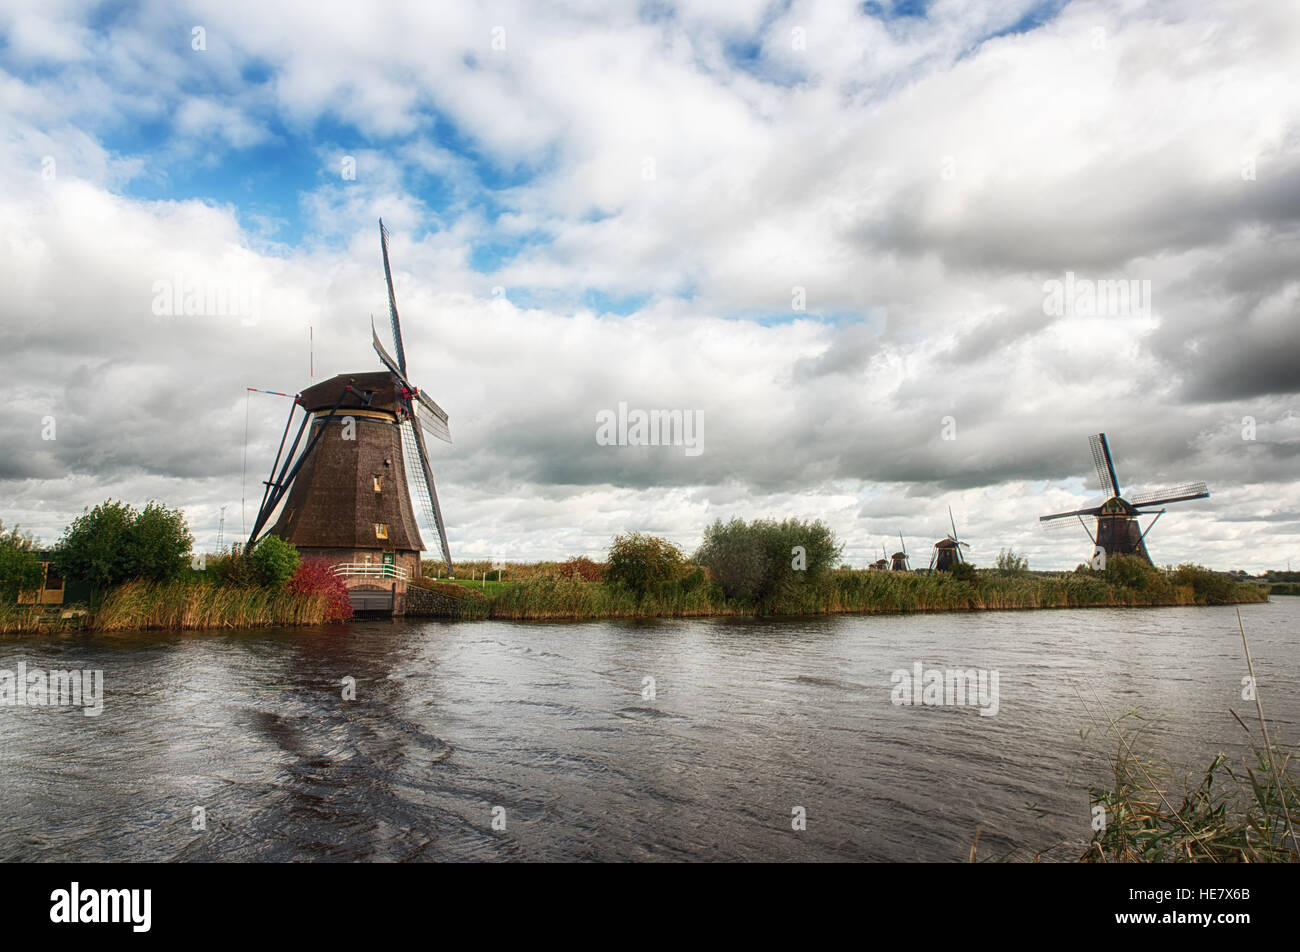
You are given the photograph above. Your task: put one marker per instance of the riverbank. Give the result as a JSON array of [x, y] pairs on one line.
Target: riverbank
[[173, 606], [184, 606], [847, 591]]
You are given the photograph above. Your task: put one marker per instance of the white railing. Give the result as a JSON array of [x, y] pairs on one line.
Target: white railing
[[372, 570]]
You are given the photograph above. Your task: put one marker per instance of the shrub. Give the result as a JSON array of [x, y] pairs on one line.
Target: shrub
[[581, 567], [642, 563], [231, 568], [274, 561], [963, 571], [1210, 587], [114, 542], [761, 561], [316, 577]]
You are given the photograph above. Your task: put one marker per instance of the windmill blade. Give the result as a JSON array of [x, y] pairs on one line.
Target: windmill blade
[[1158, 497], [1057, 526], [1096, 510], [424, 488], [387, 358], [392, 300], [432, 417], [953, 523], [1105, 468], [433, 422], [966, 544], [902, 544]]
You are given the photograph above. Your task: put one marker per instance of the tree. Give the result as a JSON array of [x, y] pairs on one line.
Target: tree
[[1011, 564], [160, 543], [641, 563], [765, 560], [274, 561], [94, 547], [114, 542], [15, 538], [20, 570]]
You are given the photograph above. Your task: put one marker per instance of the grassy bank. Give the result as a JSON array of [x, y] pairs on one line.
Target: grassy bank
[[180, 605], [42, 619], [188, 605], [870, 592]]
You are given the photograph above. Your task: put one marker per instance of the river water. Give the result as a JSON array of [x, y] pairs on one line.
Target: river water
[[553, 731]]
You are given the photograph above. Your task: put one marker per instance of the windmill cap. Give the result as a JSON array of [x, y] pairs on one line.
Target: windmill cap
[[382, 387]]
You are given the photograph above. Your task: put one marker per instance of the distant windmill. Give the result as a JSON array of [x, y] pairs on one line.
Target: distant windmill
[[898, 563], [947, 551], [348, 492], [1118, 531]]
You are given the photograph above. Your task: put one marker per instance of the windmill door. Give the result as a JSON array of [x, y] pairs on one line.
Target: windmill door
[[390, 564]]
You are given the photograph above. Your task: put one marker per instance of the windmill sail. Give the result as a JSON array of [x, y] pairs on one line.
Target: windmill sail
[[421, 414], [428, 494], [392, 300], [1158, 497], [432, 418], [1093, 511], [1105, 467]]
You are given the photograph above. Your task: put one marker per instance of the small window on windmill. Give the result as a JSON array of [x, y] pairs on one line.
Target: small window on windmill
[[381, 530], [379, 486]]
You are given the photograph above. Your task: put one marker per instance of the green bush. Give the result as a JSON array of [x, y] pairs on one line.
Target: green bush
[[963, 571], [1210, 587], [20, 570], [114, 542], [643, 563], [274, 561], [230, 568], [1132, 571], [766, 562]]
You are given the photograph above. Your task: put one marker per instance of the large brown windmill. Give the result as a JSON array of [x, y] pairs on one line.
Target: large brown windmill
[[1118, 529], [346, 497]]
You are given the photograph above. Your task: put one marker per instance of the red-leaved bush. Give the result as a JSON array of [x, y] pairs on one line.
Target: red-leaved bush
[[316, 577], [583, 568]]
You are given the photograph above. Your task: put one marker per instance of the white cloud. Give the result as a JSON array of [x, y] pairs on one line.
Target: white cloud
[[822, 168]]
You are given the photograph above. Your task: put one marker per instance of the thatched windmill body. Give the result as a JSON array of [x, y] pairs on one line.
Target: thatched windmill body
[[947, 552], [1118, 531], [347, 496], [898, 561]]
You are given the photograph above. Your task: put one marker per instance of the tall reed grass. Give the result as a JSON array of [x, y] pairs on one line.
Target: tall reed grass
[[1236, 813], [40, 619], [188, 605], [856, 591]]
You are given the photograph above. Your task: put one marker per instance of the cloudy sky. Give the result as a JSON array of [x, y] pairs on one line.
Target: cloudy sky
[[830, 228]]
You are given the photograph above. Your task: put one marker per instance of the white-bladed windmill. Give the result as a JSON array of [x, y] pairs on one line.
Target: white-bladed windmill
[[1118, 530], [347, 496], [947, 551], [421, 413]]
